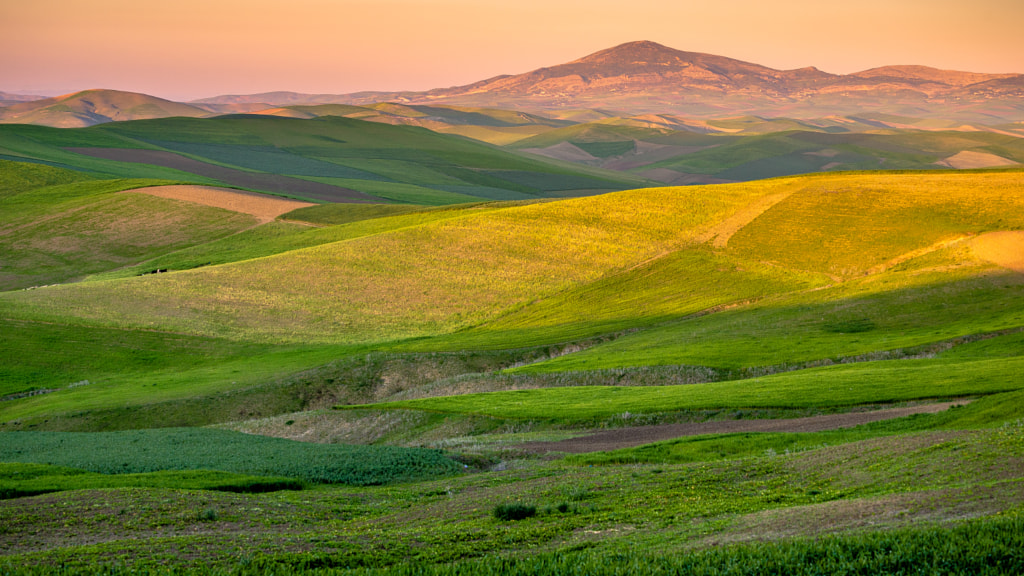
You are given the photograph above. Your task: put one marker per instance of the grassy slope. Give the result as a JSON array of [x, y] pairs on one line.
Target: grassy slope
[[283, 236], [49, 236], [843, 385], [414, 281], [849, 225], [365, 156]]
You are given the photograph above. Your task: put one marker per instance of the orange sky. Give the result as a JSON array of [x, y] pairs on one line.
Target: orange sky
[[183, 49]]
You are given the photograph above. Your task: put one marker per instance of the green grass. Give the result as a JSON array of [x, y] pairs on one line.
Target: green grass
[[903, 311], [401, 192], [987, 412], [38, 355], [842, 385], [401, 163], [283, 236], [681, 283], [414, 281], [328, 214], [21, 480], [144, 451], [847, 224], [18, 177], [45, 243]]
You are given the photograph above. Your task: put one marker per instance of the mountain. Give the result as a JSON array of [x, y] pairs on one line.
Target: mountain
[[7, 98], [646, 77], [91, 107]]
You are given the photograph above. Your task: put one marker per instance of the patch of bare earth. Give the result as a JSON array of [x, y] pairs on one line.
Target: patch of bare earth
[[1005, 249], [639, 435], [263, 207], [968, 159], [231, 176]]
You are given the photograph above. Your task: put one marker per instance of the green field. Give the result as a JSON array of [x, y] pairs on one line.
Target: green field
[[403, 373], [402, 164]]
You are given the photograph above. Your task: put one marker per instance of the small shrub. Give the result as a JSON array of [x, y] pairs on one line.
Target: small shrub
[[514, 511], [208, 515]]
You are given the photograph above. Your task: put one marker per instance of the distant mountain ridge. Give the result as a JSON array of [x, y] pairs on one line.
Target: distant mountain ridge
[[646, 77], [90, 107], [632, 79]]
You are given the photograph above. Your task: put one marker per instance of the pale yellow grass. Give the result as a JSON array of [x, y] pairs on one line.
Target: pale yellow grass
[[1005, 249], [263, 207], [721, 233], [968, 159]]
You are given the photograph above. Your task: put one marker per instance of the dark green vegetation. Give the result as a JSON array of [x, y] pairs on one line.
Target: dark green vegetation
[[503, 334], [752, 148], [140, 451], [21, 480], [324, 158]]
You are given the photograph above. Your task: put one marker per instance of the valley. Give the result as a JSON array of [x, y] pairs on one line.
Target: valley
[[270, 334]]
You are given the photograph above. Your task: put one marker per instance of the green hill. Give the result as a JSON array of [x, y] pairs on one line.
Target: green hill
[[661, 370], [328, 159]]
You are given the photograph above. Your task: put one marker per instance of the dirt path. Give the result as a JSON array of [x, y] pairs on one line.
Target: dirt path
[[1004, 249], [263, 207], [630, 437], [722, 232]]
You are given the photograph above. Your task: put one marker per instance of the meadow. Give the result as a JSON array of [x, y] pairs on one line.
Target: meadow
[[399, 368]]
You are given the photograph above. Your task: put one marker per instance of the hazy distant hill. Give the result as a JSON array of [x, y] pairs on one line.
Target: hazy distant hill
[[645, 77], [7, 98], [91, 107]]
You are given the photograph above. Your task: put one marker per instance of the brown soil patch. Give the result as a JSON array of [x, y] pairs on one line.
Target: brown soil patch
[[640, 435], [265, 208], [722, 232], [1004, 249], [967, 159], [231, 176]]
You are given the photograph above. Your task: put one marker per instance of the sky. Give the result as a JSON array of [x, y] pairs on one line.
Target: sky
[[189, 49]]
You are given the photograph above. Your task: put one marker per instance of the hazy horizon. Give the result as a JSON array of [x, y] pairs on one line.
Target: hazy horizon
[[190, 50]]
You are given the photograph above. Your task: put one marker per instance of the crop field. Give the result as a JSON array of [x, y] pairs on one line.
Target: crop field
[[328, 158], [808, 374], [21, 480], [142, 451]]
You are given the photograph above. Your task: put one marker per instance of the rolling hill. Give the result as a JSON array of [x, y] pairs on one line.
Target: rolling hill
[[91, 107], [629, 382], [330, 158]]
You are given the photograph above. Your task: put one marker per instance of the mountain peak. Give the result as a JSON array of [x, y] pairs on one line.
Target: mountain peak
[[640, 52]]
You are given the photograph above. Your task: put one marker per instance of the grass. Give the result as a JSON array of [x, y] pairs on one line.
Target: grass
[[846, 225], [672, 512], [842, 385], [279, 237], [990, 411], [21, 480], [17, 177], [392, 283], [56, 242], [402, 163], [872, 316], [144, 451], [680, 283]]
